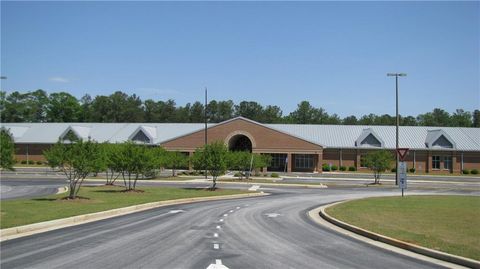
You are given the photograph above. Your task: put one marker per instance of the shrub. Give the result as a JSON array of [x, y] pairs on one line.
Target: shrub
[[237, 174], [393, 170], [274, 175], [474, 172], [412, 170], [343, 168], [257, 174], [325, 167], [352, 168], [39, 162], [31, 162], [466, 171], [334, 168], [23, 162]]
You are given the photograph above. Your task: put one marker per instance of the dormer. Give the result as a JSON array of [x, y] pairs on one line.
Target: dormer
[[75, 133], [368, 138], [439, 139], [144, 135]]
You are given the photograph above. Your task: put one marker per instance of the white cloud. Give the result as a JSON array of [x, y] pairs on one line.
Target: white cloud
[[59, 79]]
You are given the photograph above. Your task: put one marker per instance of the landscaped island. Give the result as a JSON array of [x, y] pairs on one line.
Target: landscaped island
[[92, 199], [445, 223]]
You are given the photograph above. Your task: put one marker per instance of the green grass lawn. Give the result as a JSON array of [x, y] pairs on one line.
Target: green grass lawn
[[27, 211], [446, 223]]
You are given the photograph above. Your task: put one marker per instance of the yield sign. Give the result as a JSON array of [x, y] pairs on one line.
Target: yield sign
[[402, 153]]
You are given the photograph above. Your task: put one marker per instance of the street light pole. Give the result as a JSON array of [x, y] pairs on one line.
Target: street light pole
[[396, 75], [206, 139]]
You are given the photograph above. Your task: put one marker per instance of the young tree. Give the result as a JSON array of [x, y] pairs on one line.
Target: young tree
[[378, 162], [245, 162], [76, 160], [239, 161], [214, 157], [111, 158], [175, 160], [7, 150], [134, 161]]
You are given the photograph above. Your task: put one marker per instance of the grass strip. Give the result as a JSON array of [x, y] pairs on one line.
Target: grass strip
[[99, 198], [446, 223]]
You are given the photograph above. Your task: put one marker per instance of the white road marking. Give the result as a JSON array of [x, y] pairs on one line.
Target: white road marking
[[231, 211], [216, 246], [238, 207], [215, 235], [217, 265], [221, 220], [272, 215], [225, 215], [176, 211], [218, 227], [254, 188]]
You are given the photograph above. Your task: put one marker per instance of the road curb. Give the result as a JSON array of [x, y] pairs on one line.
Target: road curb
[[40, 227], [395, 242]]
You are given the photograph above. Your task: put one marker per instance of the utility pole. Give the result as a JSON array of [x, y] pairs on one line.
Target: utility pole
[[396, 75], [206, 140]]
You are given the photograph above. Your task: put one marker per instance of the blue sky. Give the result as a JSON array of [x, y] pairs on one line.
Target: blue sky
[[333, 54]]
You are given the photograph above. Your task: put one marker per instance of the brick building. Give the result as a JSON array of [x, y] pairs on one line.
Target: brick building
[[293, 147]]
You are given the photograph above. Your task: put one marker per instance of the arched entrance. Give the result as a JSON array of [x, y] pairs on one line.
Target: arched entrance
[[240, 142]]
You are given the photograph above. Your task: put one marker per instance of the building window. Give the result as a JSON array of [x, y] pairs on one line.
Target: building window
[[447, 162], [303, 161], [362, 161], [278, 162], [435, 162]]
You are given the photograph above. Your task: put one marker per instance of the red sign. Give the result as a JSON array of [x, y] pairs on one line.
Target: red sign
[[402, 153]]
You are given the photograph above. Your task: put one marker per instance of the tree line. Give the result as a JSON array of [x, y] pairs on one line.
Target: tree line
[[38, 106]]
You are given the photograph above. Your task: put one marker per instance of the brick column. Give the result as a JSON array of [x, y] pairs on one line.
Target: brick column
[[429, 162], [357, 162], [289, 164], [455, 165], [319, 162]]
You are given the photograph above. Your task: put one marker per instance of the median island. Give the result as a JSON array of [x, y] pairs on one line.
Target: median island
[[92, 199], [445, 223]]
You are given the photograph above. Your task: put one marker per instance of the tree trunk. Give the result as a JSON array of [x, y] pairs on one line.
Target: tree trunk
[[214, 183], [71, 194]]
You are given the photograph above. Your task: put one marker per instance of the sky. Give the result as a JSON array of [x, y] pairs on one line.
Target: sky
[[333, 54]]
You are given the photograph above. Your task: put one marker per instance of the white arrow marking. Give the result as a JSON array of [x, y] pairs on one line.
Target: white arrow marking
[[231, 211], [221, 220], [218, 226], [225, 215], [215, 235], [216, 246], [176, 211], [272, 215], [217, 265], [254, 188]]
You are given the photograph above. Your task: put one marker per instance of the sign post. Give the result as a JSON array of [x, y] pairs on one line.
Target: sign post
[[402, 169]]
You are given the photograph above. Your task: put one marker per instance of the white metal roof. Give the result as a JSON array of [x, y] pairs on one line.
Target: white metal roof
[[329, 136]]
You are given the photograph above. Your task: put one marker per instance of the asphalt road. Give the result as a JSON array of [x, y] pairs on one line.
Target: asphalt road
[[14, 188], [264, 232]]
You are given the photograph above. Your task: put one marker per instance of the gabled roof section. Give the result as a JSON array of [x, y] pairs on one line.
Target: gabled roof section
[[369, 138], [144, 134], [439, 139], [268, 126], [272, 127], [16, 132], [80, 132]]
